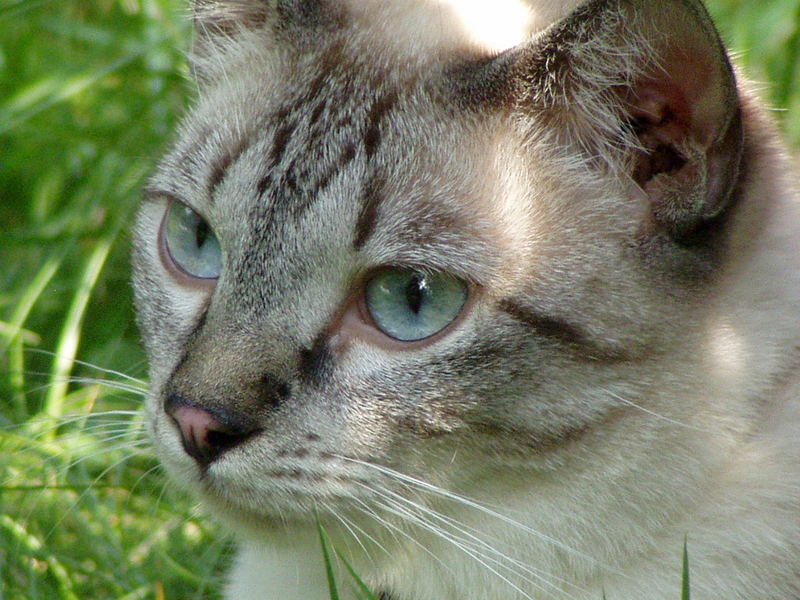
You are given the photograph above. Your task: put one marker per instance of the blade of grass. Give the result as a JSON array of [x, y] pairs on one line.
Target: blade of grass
[[365, 592], [787, 83], [28, 337], [35, 547], [29, 297], [13, 340], [685, 593], [70, 334], [326, 556], [19, 110]]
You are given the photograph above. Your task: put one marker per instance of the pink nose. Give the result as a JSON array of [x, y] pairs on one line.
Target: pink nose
[[205, 436]]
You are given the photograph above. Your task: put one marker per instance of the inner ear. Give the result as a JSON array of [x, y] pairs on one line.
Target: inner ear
[[689, 135], [660, 125], [684, 112]]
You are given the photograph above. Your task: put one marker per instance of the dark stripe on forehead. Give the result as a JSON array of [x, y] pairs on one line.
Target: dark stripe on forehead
[[264, 184], [368, 215], [347, 155], [317, 112], [319, 132], [564, 333], [377, 112], [221, 166], [188, 162], [284, 132], [279, 142]]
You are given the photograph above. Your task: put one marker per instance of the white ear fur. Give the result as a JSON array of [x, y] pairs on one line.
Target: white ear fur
[[647, 87], [229, 17], [213, 17], [220, 26], [230, 30]]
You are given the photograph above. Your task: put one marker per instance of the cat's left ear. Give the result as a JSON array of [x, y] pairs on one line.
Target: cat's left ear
[[647, 87]]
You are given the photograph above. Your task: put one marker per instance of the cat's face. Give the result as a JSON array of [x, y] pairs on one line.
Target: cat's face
[[362, 254]]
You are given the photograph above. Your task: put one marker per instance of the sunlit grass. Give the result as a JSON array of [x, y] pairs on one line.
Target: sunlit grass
[[89, 93]]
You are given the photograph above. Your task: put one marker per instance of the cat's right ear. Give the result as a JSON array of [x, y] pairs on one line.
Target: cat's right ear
[[229, 17], [224, 26]]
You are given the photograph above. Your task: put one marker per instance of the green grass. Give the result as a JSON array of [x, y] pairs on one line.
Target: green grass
[[332, 559], [89, 93]]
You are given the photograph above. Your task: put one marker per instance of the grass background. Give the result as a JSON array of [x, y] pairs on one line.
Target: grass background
[[89, 93]]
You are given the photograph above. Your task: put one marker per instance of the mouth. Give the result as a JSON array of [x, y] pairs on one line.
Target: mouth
[[280, 483]]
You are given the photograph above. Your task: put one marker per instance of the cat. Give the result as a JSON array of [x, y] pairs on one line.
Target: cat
[[503, 297]]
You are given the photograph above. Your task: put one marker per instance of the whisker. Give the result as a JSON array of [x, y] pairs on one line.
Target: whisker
[[481, 546], [115, 465], [411, 517], [394, 529], [107, 449], [370, 512], [350, 527], [72, 427], [87, 422], [36, 438], [655, 414], [89, 365], [521, 569], [478, 506], [148, 473], [58, 465], [86, 381], [101, 447]]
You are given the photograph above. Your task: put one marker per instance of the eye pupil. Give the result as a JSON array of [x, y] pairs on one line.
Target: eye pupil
[[415, 292], [201, 233]]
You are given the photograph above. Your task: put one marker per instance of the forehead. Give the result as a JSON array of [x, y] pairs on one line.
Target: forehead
[[334, 134], [301, 108]]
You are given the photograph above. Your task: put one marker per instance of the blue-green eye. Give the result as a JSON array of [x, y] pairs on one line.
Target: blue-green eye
[[191, 243], [410, 305]]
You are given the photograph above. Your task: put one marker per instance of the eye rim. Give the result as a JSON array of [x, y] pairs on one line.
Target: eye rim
[[168, 260], [372, 332]]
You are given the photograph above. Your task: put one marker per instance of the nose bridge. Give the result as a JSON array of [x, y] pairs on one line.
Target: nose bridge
[[227, 367], [258, 308]]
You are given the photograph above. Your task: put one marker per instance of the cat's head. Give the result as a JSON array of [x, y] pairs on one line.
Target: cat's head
[[380, 244]]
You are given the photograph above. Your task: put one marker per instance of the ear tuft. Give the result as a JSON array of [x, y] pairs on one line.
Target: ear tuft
[[227, 17], [227, 29], [219, 28]]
